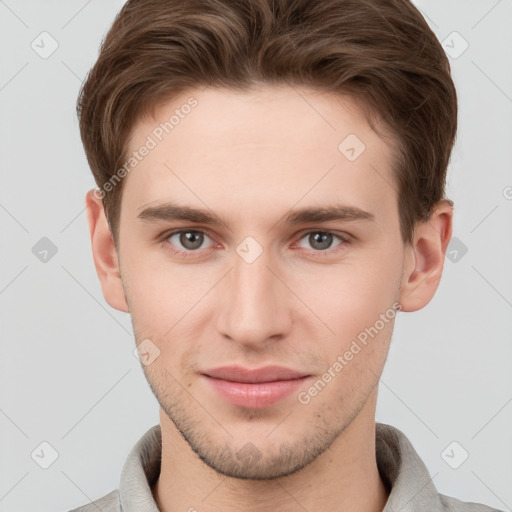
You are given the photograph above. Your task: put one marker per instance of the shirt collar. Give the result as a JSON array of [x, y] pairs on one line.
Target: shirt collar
[[400, 467]]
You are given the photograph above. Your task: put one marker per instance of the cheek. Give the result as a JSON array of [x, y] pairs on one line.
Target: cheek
[[350, 296], [352, 363], [169, 305], [164, 299]]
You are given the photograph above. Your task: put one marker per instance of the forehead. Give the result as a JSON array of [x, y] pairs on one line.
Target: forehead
[[263, 150]]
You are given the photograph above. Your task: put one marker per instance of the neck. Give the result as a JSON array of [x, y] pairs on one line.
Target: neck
[[344, 477]]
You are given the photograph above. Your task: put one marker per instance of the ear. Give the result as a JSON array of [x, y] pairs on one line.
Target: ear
[[104, 253], [424, 258]]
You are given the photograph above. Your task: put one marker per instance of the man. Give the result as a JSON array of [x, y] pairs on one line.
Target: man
[[271, 193]]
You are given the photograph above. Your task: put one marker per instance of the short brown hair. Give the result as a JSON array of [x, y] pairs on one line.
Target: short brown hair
[[381, 52]]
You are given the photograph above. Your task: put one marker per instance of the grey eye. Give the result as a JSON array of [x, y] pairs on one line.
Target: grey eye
[[319, 240], [189, 240]]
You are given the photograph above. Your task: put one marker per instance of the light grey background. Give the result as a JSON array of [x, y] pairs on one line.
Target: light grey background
[[68, 375]]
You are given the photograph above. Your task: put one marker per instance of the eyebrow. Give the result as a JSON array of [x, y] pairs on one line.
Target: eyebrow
[[172, 211]]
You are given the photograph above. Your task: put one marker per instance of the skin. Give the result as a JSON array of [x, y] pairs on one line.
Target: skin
[[252, 157]]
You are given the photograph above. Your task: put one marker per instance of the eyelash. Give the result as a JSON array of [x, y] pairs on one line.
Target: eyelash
[[344, 241]]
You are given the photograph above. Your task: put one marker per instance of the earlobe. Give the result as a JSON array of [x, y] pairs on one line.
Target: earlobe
[[424, 259], [104, 253]]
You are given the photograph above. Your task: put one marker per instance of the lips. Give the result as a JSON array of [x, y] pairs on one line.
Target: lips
[[257, 375], [254, 388]]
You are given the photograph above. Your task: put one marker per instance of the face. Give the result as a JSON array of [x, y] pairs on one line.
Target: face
[[295, 254]]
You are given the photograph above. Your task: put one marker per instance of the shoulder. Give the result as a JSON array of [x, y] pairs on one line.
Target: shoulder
[[406, 474], [109, 503], [454, 505]]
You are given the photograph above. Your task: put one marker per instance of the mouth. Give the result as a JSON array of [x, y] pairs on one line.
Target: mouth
[[254, 388]]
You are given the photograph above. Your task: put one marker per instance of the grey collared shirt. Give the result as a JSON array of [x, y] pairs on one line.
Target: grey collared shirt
[[412, 489]]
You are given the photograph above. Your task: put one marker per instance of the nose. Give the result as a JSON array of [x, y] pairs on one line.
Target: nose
[[253, 303]]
